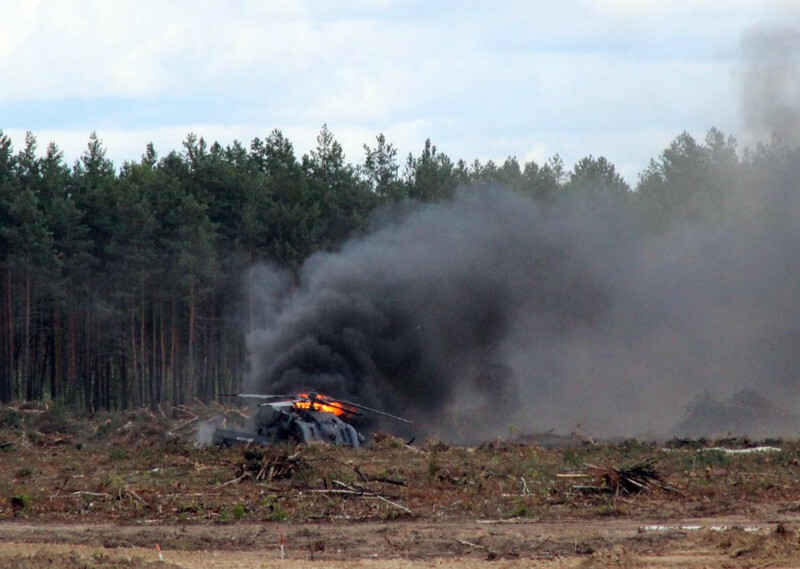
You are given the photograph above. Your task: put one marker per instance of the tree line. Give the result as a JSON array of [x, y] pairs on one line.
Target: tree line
[[123, 288]]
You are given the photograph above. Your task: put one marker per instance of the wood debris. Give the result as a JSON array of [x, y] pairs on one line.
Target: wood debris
[[269, 464], [639, 478], [360, 491]]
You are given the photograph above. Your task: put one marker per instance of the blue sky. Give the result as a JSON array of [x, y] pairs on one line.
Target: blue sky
[[486, 80]]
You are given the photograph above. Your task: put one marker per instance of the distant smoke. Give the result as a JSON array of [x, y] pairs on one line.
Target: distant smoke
[[770, 82], [488, 313]]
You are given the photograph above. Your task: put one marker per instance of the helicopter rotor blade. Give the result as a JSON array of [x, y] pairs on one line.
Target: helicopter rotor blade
[[335, 405], [363, 408], [260, 396], [314, 398]]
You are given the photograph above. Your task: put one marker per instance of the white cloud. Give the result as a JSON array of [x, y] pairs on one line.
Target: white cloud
[[481, 80], [538, 153]]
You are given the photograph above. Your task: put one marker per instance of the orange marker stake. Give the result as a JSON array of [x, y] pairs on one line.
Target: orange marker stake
[[282, 542], [158, 550]]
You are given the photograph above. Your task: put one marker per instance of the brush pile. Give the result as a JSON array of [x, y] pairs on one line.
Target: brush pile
[[641, 477], [268, 463]]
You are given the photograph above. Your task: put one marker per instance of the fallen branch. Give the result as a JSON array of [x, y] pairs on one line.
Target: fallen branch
[[475, 545], [235, 480], [348, 490], [184, 424], [268, 464], [509, 521], [337, 491], [367, 478], [92, 494], [60, 488], [346, 486], [396, 505], [135, 495]]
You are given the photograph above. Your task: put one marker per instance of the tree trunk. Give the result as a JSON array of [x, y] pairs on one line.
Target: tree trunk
[[57, 385], [26, 374], [72, 358], [173, 354], [190, 367], [8, 381], [163, 345], [134, 367]]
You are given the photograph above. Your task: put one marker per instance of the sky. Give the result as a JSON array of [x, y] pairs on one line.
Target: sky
[[485, 80]]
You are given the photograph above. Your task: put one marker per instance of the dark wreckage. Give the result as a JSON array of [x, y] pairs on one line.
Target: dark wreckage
[[303, 418]]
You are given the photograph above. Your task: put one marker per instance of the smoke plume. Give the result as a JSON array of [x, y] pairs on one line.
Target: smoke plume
[[419, 314], [489, 312], [770, 82]]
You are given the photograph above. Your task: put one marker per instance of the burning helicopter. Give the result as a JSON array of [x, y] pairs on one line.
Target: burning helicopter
[[303, 418]]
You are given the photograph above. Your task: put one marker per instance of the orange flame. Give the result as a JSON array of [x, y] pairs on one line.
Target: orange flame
[[318, 404]]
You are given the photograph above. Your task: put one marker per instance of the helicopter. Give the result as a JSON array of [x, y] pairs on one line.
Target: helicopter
[[303, 418]]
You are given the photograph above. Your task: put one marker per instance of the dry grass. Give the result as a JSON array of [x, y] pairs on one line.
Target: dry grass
[[145, 466], [138, 478]]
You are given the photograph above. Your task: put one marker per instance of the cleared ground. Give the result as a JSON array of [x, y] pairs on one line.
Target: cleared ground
[[102, 492]]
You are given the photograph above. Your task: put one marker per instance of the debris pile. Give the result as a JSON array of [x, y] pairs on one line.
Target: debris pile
[[641, 477], [265, 463], [385, 440]]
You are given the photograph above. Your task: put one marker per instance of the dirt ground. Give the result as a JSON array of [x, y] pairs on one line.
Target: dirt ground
[[727, 542], [135, 491]]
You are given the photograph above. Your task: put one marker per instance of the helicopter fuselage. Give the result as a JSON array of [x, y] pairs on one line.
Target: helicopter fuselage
[[282, 422]]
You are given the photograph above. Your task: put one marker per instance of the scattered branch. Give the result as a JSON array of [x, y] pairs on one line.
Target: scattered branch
[[641, 477]]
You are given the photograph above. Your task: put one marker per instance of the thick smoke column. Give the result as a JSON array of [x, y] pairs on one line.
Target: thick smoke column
[[489, 312], [419, 314], [770, 82]]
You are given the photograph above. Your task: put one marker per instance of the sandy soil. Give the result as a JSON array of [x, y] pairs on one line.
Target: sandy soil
[[710, 542]]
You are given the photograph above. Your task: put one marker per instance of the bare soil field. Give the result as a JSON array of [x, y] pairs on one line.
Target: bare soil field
[[133, 490]]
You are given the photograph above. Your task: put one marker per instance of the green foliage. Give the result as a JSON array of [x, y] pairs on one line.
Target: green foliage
[[20, 503], [342, 200], [118, 284], [10, 418], [114, 484], [57, 418], [431, 176], [25, 472], [712, 458], [381, 171], [274, 511], [596, 177], [433, 463], [691, 182], [521, 510], [573, 459], [118, 453]]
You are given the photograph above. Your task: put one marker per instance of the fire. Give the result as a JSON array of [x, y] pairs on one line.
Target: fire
[[317, 402]]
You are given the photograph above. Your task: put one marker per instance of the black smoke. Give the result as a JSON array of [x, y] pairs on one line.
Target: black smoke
[[488, 312], [421, 314]]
